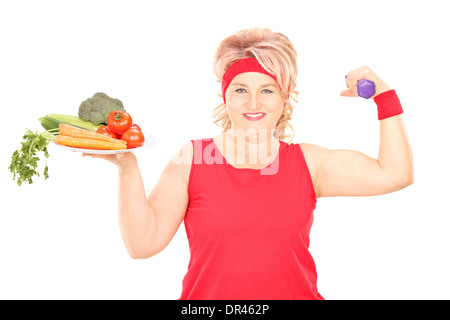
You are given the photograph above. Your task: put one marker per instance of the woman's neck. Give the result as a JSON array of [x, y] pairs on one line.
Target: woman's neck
[[254, 148], [252, 136]]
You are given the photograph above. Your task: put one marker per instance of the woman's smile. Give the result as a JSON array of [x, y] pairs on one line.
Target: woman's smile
[[254, 116]]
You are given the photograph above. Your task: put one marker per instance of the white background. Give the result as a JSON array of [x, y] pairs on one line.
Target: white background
[[60, 239]]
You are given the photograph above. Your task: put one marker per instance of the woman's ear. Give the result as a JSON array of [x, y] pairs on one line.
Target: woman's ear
[[286, 100]]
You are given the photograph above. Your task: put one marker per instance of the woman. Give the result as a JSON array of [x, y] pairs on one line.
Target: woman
[[246, 196]]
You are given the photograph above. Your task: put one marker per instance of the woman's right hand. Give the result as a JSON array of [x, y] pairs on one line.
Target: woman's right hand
[[122, 160]]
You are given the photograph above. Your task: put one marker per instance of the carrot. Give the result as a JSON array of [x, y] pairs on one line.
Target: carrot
[[88, 143], [71, 131]]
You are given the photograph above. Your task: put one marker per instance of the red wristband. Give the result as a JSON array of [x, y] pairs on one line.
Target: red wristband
[[388, 104]]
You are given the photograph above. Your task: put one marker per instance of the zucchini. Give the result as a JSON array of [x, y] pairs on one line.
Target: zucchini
[[52, 121]]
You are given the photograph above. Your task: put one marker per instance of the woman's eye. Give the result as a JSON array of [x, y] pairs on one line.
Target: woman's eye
[[241, 90]]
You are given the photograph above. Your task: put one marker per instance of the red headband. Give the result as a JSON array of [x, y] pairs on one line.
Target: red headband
[[242, 66]]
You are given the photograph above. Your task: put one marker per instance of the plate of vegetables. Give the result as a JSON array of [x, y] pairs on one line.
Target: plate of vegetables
[[119, 136], [101, 127], [96, 150], [92, 143]]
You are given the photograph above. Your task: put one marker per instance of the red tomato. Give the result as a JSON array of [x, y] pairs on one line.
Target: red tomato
[[134, 138], [119, 121], [105, 131], [134, 125]]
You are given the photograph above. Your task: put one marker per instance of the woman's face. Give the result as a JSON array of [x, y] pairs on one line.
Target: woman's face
[[254, 102]]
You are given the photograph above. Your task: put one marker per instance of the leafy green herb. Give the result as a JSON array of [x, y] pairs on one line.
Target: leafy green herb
[[24, 161]]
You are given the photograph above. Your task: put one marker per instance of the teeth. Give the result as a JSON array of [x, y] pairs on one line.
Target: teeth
[[254, 115]]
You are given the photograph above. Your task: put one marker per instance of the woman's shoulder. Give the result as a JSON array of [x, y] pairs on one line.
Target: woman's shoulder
[[309, 151], [184, 157], [313, 155], [312, 151], [181, 162], [306, 148]]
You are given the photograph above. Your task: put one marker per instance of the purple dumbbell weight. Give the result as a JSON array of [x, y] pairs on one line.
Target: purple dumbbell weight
[[366, 88]]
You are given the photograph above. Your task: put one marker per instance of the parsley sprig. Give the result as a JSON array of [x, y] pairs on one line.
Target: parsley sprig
[[24, 161]]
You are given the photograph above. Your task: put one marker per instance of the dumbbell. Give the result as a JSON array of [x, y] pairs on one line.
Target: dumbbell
[[366, 88]]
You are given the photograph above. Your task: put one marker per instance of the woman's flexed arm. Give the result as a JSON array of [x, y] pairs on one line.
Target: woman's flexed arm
[[352, 173]]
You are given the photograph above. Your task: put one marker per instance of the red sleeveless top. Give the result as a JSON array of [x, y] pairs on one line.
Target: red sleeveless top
[[248, 229]]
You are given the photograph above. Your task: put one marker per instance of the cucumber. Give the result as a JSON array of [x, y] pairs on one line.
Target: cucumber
[[52, 121]]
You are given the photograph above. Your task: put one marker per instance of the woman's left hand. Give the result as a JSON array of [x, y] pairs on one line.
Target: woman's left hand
[[363, 73]]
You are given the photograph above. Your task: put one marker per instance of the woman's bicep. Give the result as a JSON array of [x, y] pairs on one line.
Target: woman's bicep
[[349, 173]]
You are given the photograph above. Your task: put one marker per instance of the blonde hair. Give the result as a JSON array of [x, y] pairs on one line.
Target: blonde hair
[[276, 53]]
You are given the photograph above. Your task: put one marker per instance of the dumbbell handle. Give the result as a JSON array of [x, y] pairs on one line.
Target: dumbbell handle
[[366, 88]]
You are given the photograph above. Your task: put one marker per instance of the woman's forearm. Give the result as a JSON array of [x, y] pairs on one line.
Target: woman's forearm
[[395, 155], [136, 217]]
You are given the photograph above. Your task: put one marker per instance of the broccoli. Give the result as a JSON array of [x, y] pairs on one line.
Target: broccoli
[[97, 108]]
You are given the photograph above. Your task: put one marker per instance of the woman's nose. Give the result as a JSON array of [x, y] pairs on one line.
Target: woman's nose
[[254, 102]]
